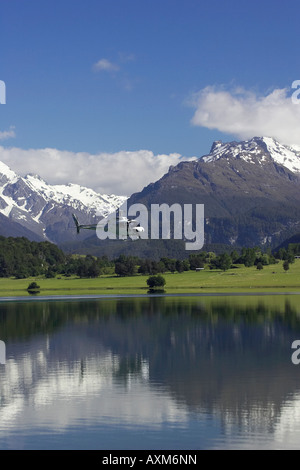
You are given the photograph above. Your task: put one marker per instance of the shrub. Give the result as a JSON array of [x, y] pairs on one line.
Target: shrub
[[33, 288], [156, 281], [286, 265], [33, 285]]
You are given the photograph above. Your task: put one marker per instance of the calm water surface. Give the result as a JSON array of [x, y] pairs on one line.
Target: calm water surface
[[150, 373]]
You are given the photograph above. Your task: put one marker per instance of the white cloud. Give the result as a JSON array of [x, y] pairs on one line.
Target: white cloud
[[106, 66], [121, 173], [10, 134], [246, 115]]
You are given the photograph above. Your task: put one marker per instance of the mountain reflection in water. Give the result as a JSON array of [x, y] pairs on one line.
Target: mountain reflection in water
[[150, 373]]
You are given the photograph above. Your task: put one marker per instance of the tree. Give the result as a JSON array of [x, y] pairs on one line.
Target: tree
[[22, 272], [94, 270], [151, 267], [125, 266], [33, 288], [265, 259], [179, 266], [170, 264], [234, 256], [197, 260], [286, 265], [249, 256], [33, 285], [156, 281], [281, 253], [82, 270], [224, 261], [186, 265]]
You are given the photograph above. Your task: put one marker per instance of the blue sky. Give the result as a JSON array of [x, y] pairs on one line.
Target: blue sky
[[101, 80]]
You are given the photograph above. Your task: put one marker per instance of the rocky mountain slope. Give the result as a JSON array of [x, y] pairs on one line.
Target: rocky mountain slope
[[250, 191]]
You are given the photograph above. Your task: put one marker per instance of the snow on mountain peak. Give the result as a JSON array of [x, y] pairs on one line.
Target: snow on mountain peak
[[75, 195], [288, 156], [244, 150], [7, 172], [257, 150]]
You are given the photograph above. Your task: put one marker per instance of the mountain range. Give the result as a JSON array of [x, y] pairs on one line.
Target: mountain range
[[39, 211], [250, 192]]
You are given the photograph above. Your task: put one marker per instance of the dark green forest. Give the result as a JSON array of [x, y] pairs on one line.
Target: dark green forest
[[21, 258]]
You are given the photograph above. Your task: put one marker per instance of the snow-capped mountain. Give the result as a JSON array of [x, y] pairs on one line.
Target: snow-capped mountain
[[77, 196], [250, 191], [46, 210], [257, 150]]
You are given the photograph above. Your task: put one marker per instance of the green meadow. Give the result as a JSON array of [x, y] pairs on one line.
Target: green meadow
[[239, 279]]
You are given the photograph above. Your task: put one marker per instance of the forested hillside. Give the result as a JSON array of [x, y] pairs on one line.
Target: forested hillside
[[22, 258]]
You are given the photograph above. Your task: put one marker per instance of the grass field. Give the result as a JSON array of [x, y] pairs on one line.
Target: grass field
[[240, 279]]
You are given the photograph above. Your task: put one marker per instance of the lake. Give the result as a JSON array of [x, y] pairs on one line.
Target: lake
[[150, 373]]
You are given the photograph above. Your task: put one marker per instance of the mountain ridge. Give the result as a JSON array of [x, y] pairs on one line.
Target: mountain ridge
[[44, 210], [250, 150], [250, 191]]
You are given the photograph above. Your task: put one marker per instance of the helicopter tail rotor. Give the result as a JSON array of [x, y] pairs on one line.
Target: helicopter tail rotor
[[76, 223]]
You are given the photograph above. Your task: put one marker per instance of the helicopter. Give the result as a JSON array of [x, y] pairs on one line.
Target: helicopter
[[131, 226]]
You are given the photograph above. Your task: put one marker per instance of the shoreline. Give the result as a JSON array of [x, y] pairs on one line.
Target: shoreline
[[82, 297]]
